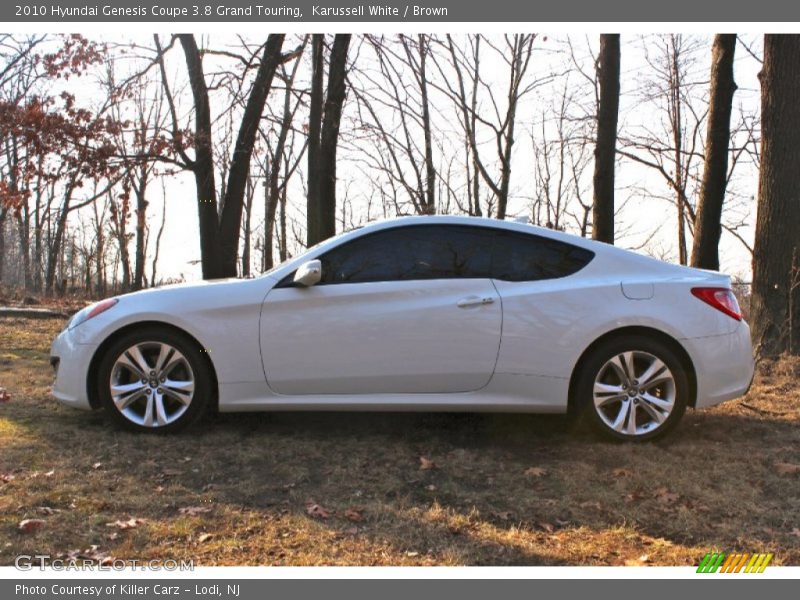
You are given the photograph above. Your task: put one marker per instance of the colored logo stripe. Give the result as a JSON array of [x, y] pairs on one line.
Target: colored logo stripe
[[734, 563]]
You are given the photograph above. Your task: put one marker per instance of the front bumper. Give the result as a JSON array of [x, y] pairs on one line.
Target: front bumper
[[723, 364], [71, 367]]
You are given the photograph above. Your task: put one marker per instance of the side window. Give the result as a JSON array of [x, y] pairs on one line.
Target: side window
[[410, 253], [525, 257]]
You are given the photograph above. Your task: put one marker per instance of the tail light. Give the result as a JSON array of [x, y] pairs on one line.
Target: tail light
[[722, 299]]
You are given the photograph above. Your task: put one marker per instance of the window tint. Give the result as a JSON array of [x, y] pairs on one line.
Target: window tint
[[524, 257], [411, 252]]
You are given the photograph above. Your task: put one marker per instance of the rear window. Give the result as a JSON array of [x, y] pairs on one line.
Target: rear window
[[524, 257]]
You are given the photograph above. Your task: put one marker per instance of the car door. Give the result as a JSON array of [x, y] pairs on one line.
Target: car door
[[405, 310]]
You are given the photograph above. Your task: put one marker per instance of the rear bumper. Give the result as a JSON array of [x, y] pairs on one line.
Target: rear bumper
[[70, 361], [723, 364]]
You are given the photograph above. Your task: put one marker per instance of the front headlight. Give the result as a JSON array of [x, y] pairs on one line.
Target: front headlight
[[92, 311]]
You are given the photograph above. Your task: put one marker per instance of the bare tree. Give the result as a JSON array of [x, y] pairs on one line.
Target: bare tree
[[516, 52], [324, 121], [220, 226], [708, 220], [675, 151]]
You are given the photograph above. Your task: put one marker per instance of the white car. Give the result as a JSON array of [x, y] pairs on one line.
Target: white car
[[420, 313]]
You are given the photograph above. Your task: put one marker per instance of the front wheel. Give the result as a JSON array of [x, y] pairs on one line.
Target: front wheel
[[633, 388], [154, 380]]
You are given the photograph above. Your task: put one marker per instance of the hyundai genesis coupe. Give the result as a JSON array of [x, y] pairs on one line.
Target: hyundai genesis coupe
[[420, 313]]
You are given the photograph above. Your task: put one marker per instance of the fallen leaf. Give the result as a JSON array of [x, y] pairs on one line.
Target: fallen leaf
[[316, 511], [426, 464], [91, 553], [204, 537], [783, 468], [29, 526], [4, 396], [535, 472], [354, 514], [129, 524], [664, 496], [618, 473], [633, 496], [193, 511]]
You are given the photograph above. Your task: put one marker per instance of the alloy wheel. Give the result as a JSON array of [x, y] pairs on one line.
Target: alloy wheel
[[634, 393], [152, 384]]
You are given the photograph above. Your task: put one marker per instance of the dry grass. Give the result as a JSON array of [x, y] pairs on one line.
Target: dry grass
[[716, 483]]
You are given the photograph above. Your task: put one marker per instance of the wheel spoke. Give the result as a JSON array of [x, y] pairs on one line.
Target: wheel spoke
[[658, 416], [631, 430], [134, 353], [180, 390], [176, 358], [147, 421], [657, 402], [161, 414], [164, 354], [623, 365], [654, 371], [605, 393], [624, 409], [124, 394]]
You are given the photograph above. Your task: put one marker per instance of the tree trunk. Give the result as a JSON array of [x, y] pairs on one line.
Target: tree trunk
[[203, 164], [778, 220], [314, 128], [707, 227], [430, 170], [141, 230], [233, 202], [608, 67], [329, 136]]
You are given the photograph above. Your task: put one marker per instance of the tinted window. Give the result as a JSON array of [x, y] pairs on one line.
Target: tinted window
[[524, 257], [411, 252]]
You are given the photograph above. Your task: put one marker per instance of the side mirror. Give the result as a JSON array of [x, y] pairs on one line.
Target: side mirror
[[309, 273]]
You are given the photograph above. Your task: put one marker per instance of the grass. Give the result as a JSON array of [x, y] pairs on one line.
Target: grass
[[349, 489]]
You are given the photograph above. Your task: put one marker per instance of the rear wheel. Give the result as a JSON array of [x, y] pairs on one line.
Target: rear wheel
[[633, 388], [154, 380]]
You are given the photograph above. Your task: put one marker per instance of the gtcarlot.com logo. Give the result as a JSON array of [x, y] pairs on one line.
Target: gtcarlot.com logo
[[719, 562]]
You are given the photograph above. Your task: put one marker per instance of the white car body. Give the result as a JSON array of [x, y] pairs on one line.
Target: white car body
[[408, 345]]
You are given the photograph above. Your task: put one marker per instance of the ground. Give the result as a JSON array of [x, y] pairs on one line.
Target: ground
[[393, 489]]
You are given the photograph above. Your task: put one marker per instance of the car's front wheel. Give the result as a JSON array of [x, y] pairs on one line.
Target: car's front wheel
[[154, 380], [633, 388]]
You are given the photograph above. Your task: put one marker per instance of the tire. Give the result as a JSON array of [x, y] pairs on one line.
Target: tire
[[172, 392], [607, 392]]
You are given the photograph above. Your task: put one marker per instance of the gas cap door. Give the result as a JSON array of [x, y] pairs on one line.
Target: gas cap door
[[637, 290]]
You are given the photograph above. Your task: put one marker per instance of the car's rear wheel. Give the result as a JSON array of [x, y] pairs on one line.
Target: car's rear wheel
[[154, 380], [633, 388]]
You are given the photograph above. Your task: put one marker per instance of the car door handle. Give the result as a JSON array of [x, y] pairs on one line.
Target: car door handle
[[474, 301]]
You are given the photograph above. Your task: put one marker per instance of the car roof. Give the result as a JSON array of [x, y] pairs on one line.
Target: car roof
[[477, 222]]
